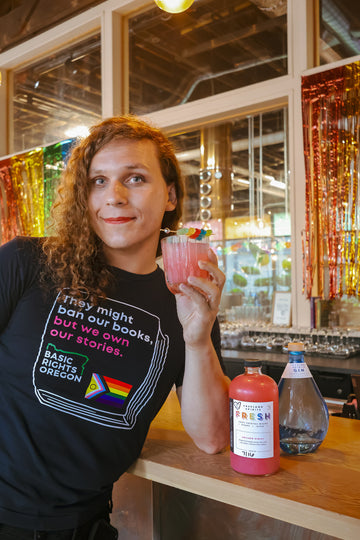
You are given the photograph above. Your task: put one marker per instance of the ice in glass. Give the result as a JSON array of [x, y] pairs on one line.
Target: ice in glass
[[180, 257]]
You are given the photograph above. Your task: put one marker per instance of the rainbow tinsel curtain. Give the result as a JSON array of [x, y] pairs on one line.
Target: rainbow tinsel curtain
[[331, 129], [9, 223], [28, 183], [54, 163]]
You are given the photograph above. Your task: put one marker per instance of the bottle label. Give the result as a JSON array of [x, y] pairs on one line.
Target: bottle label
[[252, 429], [294, 370]]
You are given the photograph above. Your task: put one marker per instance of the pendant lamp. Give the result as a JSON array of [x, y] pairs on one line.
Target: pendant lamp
[[174, 6]]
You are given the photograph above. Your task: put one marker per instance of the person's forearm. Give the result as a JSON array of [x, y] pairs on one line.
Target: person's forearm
[[204, 399]]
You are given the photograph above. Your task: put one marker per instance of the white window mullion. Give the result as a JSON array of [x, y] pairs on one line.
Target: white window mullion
[[301, 39], [249, 100], [4, 149], [111, 64]]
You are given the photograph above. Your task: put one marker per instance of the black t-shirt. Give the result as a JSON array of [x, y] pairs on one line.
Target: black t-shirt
[[81, 384]]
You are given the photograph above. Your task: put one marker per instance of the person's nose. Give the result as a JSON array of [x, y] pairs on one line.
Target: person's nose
[[117, 193]]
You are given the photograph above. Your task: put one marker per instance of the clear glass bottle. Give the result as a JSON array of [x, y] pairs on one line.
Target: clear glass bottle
[[303, 413], [254, 422]]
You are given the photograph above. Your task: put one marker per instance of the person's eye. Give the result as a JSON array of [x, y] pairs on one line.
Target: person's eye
[[98, 181], [136, 179]]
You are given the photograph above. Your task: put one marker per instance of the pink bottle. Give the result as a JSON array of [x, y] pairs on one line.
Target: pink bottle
[[254, 422]]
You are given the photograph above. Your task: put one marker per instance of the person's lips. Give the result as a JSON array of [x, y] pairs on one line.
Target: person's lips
[[116, 220]]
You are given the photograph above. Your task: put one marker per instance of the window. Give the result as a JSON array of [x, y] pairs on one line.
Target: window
[[218, 60], [339, 30], [213, 47], [237, 184], [22, 19], [57, 97]]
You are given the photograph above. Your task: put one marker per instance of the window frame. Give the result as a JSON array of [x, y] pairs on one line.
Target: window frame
[[110, 18]]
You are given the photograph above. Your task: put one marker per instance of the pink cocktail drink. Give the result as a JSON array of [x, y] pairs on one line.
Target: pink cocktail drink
[[180, 256]]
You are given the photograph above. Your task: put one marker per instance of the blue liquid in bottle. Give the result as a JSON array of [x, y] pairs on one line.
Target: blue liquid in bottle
[[303, 413]]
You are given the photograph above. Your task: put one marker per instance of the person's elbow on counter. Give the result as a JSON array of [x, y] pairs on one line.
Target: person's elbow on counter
[[210, 432], [215, 445]]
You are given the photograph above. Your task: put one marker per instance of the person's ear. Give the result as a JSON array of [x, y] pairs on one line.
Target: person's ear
[[172, 201]]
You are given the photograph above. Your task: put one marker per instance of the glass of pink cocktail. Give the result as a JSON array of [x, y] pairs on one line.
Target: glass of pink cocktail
[[180, 257]]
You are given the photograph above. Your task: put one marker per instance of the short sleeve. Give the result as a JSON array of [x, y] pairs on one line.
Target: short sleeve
[[16, 272]]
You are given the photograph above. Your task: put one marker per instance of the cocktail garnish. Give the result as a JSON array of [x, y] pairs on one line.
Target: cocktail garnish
[[192, 232]]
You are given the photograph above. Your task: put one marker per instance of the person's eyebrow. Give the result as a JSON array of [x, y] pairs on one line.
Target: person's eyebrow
[[130, 167], [137, 166]]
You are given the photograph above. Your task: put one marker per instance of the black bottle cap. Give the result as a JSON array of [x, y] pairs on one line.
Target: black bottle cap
[[252, 363]]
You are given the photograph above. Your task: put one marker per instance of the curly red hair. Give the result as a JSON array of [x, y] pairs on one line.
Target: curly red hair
[[74, 252]]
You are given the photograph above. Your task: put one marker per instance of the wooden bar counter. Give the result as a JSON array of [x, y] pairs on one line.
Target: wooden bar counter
[[319, 492]]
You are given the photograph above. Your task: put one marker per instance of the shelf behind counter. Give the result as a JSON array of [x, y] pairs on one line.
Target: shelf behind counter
[[332, 375]]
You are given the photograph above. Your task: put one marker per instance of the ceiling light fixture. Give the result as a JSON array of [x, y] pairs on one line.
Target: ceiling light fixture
[[174, 6]]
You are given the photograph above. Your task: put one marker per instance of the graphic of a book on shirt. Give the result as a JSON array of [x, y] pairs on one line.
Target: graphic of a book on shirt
[[106, 386]]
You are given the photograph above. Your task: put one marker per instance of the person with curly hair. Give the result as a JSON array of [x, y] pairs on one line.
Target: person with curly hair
[[92, 341]]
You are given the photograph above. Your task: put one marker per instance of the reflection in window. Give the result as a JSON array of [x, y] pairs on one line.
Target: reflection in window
[[339, 30], [237, 184], [57, 97], [23, 19], [213, 47]]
